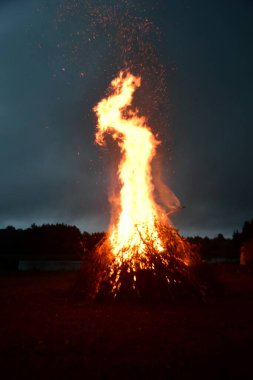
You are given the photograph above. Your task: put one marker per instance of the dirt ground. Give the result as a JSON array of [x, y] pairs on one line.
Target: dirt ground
[[46, 335]]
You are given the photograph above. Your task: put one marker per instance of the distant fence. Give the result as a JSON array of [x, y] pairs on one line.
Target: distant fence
[[13, 264], [48, 266], [222, 260]]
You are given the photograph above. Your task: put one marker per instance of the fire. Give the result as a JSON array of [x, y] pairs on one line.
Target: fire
[[136, 222], [142, 256]]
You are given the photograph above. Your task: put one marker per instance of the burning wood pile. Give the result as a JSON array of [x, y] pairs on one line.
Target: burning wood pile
[[142, 256], [153, 276]]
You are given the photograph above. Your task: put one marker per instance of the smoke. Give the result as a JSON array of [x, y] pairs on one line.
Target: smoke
[[165, 196]]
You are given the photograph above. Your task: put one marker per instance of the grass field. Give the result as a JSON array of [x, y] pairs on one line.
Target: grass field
[[46, 335]]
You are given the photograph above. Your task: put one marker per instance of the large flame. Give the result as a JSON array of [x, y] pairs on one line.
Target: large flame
[[138, 214], [143, 255]]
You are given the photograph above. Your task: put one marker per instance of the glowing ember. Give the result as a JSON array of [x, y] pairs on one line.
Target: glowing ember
[[138, 214]]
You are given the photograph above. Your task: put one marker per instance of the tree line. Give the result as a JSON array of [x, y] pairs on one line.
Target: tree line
[[221, 247], [61, 241]]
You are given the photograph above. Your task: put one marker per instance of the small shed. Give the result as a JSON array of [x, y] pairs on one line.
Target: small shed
[[246, 253]]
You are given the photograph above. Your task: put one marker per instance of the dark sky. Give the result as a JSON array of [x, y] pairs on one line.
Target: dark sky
[[51, 170]]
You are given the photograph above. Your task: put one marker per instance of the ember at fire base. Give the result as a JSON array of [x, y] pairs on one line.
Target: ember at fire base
[[155, 276]]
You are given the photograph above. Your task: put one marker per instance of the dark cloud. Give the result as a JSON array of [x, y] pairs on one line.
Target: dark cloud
[[51, 75]]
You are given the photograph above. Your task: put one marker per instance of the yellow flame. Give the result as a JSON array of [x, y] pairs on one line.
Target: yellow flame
[[136, 222]]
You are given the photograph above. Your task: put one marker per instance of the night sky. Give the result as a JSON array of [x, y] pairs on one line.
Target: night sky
[[55, 66]]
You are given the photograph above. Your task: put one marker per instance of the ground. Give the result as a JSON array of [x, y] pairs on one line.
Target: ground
[[44, 334]]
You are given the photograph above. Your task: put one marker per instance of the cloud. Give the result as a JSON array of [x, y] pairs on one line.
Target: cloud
[[51, 171]]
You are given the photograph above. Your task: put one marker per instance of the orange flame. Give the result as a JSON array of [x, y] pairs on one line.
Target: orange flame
[[138, 214]]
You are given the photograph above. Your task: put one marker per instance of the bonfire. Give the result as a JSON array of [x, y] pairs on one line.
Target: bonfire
[[142, 256]]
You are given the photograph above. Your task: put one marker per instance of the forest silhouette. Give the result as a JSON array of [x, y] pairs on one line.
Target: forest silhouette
[[65, 242]]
